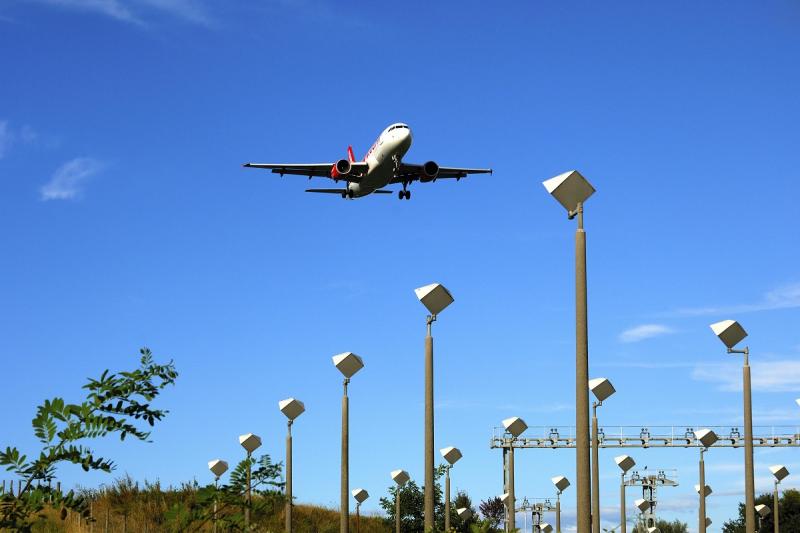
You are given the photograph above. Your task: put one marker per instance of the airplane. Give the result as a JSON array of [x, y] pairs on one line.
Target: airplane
[[381, 166]]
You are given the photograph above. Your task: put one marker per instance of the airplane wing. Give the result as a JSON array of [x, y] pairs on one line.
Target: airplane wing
[[413, 172], [323, 170]]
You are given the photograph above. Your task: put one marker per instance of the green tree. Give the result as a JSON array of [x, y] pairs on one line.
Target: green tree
[[493, 511], [462, 500], [412, 505], [788, 514], [115, 404]]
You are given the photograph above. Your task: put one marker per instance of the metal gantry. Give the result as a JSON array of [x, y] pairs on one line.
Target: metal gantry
[[650, 482], [536, 507], [649, 437]]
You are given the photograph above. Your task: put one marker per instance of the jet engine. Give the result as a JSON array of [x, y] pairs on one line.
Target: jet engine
[[341, 168], [429, 171]]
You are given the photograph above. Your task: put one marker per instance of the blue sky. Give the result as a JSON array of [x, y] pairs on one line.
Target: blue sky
[[129, 222]]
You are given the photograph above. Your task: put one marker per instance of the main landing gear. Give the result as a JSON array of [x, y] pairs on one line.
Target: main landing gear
[[347, 193], [405, 193]]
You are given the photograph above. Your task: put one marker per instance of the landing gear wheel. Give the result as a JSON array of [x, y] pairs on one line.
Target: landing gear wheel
[[401, 195], [344, 195], [350, 194], [408, 195]]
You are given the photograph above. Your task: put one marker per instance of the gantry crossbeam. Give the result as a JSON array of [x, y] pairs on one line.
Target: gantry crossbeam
[[649, 437]]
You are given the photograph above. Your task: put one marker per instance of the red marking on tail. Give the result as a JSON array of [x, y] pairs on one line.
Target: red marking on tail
[[350, 155]]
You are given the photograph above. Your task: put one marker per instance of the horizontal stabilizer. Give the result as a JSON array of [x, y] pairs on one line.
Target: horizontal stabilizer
[[328, 191], [382, 191]]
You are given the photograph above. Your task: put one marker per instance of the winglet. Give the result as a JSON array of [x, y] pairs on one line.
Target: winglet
[[350, 155]]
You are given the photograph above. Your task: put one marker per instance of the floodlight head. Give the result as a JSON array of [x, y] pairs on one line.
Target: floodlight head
[[464, 513], [797, 401], [451, 454], [762, 510], [515, 425], [706, 437], [730, 332], [642, 504], [218, 467], [560, 482], [653, 530], [779, 471], [601, 388], [435, 297], [504, 497], [708, 490], [291, 407], [400, 477], [360, 495], [624, 462], [570, 189], [348, 363], [708, 521], [250, 442], [544, 527]]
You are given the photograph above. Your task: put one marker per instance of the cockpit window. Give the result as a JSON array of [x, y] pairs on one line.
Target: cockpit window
[[397, 126]]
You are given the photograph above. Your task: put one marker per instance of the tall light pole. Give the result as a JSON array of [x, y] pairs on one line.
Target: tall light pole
[[400, 477], [292, 408], [707, 438], [250, 443], [730, 333], [217, 467], [348, 364], [435, 298], [780, 472], [602, 390], [625, 463], [451, 455], [514, 426], [571, 190], [360, 496], [561, 484]]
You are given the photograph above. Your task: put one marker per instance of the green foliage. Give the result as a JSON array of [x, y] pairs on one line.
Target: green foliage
[[115, 404], [412, 505], [493, 511], [676, 526], [462, 500], [788, 514]]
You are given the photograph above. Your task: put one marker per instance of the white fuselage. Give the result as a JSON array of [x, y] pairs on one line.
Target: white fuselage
[[382, 159]]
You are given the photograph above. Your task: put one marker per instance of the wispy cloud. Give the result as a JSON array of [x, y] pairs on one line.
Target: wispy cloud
[[767, 376], [644, 331], [6, 138], [9, 135], [68, 180], [134, 11], [784, 297]]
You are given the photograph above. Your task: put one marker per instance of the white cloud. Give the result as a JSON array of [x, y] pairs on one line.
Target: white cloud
[[67, 181], [767, 376], [6, 137], [784, 297], [645, 331], [130, 10]]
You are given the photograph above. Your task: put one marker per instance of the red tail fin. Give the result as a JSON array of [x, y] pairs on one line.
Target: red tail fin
[[350, 155]]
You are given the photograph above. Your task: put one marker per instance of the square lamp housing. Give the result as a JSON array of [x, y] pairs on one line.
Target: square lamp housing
[[291, 407], [464, 513], [360, 495], [706, 437], [451, 454], [762, 510], [625, 462], [435, 297], [642, 504], [729, 332], [515, 425], [779, 471], [708, 490], [544, 527], [400, 477], [217, 467], [570, 189], [601, 388], [250, 442], [348, 363], [560, 482]]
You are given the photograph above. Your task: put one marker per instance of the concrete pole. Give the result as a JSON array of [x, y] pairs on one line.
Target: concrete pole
[[558, 512], [289, 477], [344, 509], [249, 494], [750, 497], [512, 504], [216, 487], [702, 517], [582, 463], [623, 523], [447, 500], [397, 509], [429, 518], [595, 471], [775, 508], [358, 517]]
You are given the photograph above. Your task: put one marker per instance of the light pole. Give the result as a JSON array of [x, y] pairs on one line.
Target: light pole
[[625, 463], [360, 496], [515, 426], [571, 190], [707, 438], [435, 297], [451, 455], [348, 364], [780, 472], [561, 484], [250, 443], [762, 511], [504, 499], [400, 477], [292, 408], [217, 467], [602, 389], [730, 333]]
